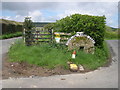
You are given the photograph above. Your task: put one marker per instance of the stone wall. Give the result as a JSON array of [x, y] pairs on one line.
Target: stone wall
[[81, 42]]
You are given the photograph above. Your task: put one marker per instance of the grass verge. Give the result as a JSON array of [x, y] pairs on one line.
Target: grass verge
[[11, 35], [53, 55], [111, 35]]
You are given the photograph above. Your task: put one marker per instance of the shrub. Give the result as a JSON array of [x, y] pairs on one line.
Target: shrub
[[93, 26]]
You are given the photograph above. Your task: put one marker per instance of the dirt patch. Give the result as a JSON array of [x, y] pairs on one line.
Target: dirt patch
[[17, 70]]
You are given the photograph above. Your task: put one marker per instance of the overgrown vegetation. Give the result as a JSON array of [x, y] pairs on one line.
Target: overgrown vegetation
[[11, 35], [50, 55]]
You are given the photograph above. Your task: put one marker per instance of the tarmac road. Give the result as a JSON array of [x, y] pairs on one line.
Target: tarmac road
[[4, 46], [104, 77]]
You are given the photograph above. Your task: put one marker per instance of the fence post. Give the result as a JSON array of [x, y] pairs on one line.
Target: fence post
[[52, 35], [24, 35]]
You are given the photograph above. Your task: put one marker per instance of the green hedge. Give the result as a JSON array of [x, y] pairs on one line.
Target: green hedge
[[11, 35], [11, 28], [93, 26]]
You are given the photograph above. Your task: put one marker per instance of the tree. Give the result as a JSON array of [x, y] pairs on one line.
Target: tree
[[28, 24]]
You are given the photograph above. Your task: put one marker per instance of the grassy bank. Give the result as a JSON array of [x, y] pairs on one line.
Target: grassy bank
[[52, 55], [11, 35], [112, 33]]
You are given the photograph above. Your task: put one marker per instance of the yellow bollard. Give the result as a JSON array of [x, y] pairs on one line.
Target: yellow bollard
[[73, 54]]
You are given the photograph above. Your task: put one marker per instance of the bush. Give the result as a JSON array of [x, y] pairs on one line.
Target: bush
[[93, 26]]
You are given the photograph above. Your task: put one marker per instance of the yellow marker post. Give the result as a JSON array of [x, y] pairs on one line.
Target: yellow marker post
[[57, 38]]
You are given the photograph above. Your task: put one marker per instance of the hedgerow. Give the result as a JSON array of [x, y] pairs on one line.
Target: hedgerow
[[10, 27], [93, 26]]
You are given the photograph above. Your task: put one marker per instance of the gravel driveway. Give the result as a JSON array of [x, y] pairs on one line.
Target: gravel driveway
[[104, 77]]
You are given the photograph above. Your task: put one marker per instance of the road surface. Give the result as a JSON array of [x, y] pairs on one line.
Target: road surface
[[104, 77]]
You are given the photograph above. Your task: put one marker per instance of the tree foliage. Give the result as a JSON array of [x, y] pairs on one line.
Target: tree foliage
[[93, 26], [28, 24]]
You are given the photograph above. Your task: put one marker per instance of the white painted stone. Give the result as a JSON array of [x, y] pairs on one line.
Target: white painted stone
[[81, 68]]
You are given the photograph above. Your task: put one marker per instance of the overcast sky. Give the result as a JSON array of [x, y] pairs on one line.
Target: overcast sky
[[52, 11]]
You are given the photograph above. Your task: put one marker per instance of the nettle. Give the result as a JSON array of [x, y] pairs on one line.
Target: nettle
[[93, 26]]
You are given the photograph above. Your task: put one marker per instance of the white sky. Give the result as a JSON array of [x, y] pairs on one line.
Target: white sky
[[52, 11]]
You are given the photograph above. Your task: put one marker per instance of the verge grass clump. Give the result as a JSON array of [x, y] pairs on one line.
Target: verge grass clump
[[51, 55], [45, 55], [10, 35]]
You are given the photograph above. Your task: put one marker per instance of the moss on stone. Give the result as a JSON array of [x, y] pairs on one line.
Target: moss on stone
[[81, 41]]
